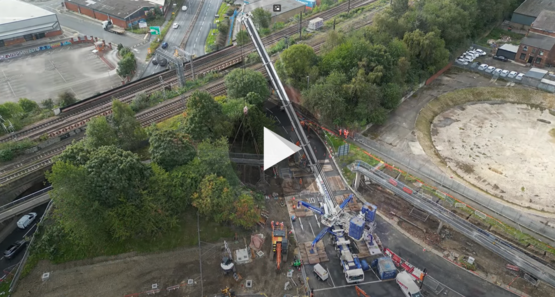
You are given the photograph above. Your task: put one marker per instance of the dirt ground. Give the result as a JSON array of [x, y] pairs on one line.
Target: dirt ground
[[492, 145], [488, 264]]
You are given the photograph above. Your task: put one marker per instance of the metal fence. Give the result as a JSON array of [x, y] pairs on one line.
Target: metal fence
[[25, 198], [513, 216]]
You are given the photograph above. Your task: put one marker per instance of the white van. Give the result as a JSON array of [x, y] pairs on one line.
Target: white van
[[26, 220], [320, 272], [407, 284], [184, 8]]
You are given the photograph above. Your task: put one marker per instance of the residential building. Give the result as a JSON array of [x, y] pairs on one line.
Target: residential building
[[537, 48]]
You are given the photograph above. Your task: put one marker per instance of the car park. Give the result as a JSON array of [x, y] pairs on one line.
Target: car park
[[513, 74], [480, 52], [483, 67], [504, 73], [164, 45], [461, 62], [497, 71], [490, 69], [175, 25], [519, 76], [14, 249], [163, 62], [464, 59], [501, 58], [26, 220]]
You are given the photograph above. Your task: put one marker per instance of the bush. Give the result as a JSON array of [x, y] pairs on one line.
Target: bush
[[120, 46], [47, 104], [124, 51], [230, 11], [27, 105], [66, 98], [11, 149]]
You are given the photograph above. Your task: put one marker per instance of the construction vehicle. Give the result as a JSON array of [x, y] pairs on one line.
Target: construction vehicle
[[228, 292], [327, 218], [361, 292], [279, 243], [109, 26], [408, 284]]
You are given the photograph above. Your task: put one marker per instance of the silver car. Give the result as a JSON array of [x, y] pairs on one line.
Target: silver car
[[490, 69], [483, 67], [504, 73], [497, 71], [519, 76], [513, 74]]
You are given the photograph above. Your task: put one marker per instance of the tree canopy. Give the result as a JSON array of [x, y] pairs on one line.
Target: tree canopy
[[170, 149], [261, 18], [204, 118], [240, 82]]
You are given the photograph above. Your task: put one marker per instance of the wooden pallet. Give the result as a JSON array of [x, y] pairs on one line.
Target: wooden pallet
[[303, 211], [354, 205], [363, 251], [318, 256], [336, 183]]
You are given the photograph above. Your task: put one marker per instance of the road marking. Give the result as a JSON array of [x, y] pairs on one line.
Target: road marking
[[375, 273], [9, 84], [330, 277], [29, 230], [268, 110], [311, 229], [1, 258], [359, 284]]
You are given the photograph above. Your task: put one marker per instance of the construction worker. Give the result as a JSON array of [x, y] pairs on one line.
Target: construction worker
[[301, 181], [340, 132], [298, 143]]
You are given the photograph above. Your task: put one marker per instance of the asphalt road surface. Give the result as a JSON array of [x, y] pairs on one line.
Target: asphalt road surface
[[175, 36], [16, 235], [199, 34]]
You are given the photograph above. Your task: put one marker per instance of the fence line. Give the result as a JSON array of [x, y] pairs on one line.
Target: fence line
[[25, 198]]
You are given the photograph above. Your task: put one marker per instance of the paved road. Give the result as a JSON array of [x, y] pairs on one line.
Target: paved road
[[199, 34], [175, 36], [479, 236], [16, 235], [24, 206]]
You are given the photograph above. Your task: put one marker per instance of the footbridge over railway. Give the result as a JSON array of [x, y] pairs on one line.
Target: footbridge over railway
[[493, 243]]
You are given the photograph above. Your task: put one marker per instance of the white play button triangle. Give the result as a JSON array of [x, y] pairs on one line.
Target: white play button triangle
[[276, 148]]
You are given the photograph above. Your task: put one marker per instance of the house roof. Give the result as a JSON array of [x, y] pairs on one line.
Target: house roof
[[545, 21], [534, 7], [15, 11], [539, 41], [117, 8], [509, 47]]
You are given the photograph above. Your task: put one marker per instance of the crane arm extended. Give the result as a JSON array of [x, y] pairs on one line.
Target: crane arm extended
[[346, 201], [320, 235], [319, 210]]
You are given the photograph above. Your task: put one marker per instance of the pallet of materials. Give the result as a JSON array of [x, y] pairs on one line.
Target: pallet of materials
[[302, 211], [354, 205], [319, 253]]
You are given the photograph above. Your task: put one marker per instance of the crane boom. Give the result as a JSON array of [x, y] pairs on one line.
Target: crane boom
[[311, 207], [346, 201], [320, 236]]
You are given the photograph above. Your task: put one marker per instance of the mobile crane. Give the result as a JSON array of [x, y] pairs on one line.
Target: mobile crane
[[327, 219]]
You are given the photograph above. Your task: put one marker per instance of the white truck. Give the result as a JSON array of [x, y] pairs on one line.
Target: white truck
[[108, 26], [408, 285], [320, 272]]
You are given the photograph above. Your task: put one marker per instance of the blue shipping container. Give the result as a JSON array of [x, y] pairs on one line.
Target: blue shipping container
[[356, 228], [364, 265], [308, 3], [386, 268], [369, 210]]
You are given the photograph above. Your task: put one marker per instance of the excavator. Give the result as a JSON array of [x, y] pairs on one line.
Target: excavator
[[279, 243], [361, 292]]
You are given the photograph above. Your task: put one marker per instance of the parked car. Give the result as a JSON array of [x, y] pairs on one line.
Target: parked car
[[483, 67], [472, 54], [465, 59], [461, 62], [26, 220], [490, 69], [175, 25], [470, 58], [497, 71], [501, 58], [183, 8], [474, 65], [480, 52], [154, 62], [512, 74], [504, 73], [163, 62], [164, 45], [14, 249], [519, 76]]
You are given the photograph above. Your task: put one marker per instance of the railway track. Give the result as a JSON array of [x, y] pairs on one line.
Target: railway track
[[79, 114], [156, 114]]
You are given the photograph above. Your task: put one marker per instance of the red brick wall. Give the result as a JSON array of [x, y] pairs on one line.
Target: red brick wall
[[87, 12], [541, 32], [71, 6], [100, 16], [53, 33], [440, 72], [119, 23], [14, 41]]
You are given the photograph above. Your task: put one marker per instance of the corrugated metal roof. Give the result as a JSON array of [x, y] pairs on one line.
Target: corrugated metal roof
[[15, 11], [545, 21], [119, 8], [539, 41], [536, 73], [534, 7], [548, 82], [509, 47]]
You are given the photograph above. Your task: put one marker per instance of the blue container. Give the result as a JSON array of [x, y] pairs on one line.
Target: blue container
[[386, 268], [308, 3], [364, 265], [356, 228], [369, 211]]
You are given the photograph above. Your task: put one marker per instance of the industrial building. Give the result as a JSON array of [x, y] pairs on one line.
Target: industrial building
[[123, 13], [538, 47], [21, 22], [528, 11], [289, 8]]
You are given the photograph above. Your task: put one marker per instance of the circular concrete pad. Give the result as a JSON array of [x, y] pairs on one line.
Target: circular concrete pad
[[506, 149]]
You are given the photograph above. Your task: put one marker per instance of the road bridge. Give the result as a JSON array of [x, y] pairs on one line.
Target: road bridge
[[484, 238]]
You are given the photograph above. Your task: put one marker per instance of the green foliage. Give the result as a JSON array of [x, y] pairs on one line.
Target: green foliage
[[47, 104], [170, 149], [297, 61], [230, 11], [27, 105], [66, 98], [245, 214], [242, 37], [204, 118], [213, 158], [120, 46], [11, 149], [124, 51], [127, 128], [127, 65], [261, 18], [214, 197], [100, 133], [223, 28], [427, 50], [240, 82]]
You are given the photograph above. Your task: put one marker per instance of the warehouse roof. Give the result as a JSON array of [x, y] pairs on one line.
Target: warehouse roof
[[545, 21], [268, 5], [534, 7], [509, 47], [540, 41], [119, 8], [15, 11]]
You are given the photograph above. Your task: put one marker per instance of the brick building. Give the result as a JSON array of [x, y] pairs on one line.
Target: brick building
[[123, 13], [21, 22], [538, 47]]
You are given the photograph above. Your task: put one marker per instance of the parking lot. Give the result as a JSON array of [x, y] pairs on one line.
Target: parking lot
[[46, 74], [508, 65]]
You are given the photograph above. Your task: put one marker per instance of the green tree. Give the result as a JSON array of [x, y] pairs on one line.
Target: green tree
[[100, 133], [76, 154], [124, 51], [27, 105], [120, 46], [243, 37], [127, 128], [47, 104], [427, 50], [245, 214], [327, 98], [127, 65], [213, 156], [66, 98], [261, 18], [214, 198], [223, 28], [170, 149], [255, 99], [392, 95], [399, 7], [204, 118], [240, 82], [297, 62]]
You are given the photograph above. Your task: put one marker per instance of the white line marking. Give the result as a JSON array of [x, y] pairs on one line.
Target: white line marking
[[311, 229], [331, 277], [375, 273], [29, 230], [268, 110], [1, 260], [346, 286], [278, 120]]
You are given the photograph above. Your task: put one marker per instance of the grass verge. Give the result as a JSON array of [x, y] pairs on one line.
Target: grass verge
[[498, 33], [213, 34]]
